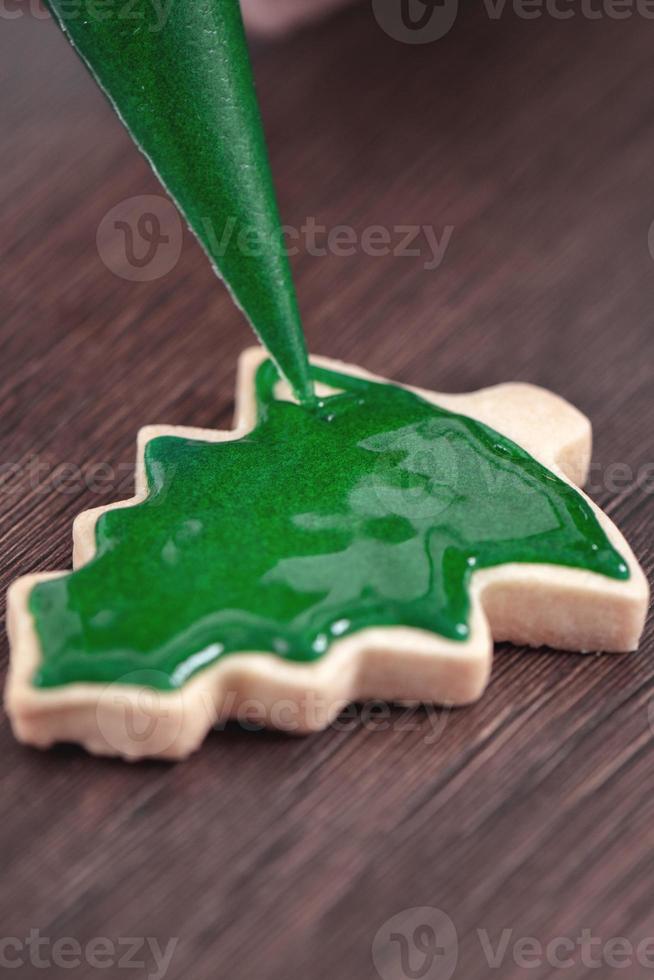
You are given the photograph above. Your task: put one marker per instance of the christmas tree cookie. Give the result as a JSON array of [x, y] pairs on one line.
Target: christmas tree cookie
[[370, 544]]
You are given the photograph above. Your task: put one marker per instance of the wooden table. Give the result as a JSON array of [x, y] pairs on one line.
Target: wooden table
[[276, 858]]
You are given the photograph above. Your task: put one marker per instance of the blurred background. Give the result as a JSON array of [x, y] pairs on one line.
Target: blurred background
[[468, 196], [274, 18]]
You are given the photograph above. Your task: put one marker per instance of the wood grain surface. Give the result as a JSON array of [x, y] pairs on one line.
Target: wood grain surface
[[278, 858]]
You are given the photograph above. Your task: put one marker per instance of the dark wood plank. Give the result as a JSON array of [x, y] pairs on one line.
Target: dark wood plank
[[531, 811]]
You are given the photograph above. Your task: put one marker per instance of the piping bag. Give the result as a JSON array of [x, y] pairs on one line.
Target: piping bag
[[178, 74]]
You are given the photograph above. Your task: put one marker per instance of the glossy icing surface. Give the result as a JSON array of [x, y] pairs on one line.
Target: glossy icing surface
[[367, 507], [179, 76]]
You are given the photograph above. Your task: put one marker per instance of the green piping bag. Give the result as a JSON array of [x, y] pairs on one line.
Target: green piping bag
[[178, 74]]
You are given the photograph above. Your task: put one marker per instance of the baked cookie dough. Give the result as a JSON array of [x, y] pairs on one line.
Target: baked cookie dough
[[390, 537]]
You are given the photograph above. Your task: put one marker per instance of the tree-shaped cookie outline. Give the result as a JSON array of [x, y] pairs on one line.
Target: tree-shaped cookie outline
[[565, 608]]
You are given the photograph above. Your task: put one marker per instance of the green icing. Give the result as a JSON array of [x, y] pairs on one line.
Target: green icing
[[178, 73], [367, 507]]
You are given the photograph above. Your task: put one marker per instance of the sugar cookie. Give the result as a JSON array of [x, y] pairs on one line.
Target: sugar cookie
[[372, 545]]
